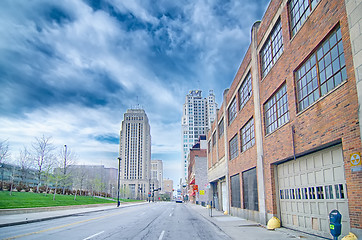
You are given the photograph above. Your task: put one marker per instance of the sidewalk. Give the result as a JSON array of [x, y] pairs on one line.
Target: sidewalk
[[239, 228], [22, 216]]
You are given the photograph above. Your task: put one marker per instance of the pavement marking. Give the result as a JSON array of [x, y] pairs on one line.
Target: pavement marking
[[93, 235], [63, 226], [171, 212], [161, 236]]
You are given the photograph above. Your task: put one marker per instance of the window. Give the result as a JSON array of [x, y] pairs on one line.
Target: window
[[276, 110], [322, 72], [299, 11], [250, 190], [329, 191], [320, 194], [247, 135], [214, 139], [233, 147], [232, 111], [245, 91], [235, 191], [272, 49], [221, 128], [339, 191]]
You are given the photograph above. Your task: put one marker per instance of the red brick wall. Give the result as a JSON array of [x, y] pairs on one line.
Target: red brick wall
[[331, 118]]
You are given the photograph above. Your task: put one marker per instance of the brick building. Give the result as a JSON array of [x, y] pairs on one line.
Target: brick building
[[198, 191], [291, 121]]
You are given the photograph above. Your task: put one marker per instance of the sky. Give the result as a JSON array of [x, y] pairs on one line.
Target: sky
[[70, 69]]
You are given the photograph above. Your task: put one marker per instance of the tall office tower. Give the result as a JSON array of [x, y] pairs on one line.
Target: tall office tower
[[197, 116], [157, 172], [135, 154]]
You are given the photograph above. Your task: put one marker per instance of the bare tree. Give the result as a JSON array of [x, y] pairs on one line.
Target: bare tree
[[24, 161], [82, 177], [4, 156], [78, 174], [57, 177], [42, 155], [12, 176], [67, 157]]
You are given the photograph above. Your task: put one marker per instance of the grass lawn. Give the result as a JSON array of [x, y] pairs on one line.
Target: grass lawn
[[30, 200]]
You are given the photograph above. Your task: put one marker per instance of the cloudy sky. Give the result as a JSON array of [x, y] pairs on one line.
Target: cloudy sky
[[70, 69]]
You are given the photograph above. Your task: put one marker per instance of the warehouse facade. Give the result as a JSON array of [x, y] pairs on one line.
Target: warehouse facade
[[291, 121]]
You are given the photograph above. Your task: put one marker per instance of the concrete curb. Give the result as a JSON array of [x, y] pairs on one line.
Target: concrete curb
[[67, 215], [48, 209]]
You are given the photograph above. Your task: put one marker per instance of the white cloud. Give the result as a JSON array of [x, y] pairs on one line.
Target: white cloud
[[95, 55]]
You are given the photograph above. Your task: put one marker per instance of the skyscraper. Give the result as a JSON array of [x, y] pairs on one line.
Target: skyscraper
[[197, 116], [135, 153], [157, 172]]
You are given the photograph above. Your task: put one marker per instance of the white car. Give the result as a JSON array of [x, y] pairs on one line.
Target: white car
[[179, 199]]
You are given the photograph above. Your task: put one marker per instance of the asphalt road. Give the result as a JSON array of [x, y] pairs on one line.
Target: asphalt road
[[164, 220]]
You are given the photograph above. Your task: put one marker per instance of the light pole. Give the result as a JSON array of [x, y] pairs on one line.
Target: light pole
[[119, 178], [65, 167]]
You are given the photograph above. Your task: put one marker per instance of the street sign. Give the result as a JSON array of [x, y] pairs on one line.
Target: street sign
[[202, 192]]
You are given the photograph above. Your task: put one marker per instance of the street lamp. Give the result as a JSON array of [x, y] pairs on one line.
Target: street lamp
[[119, 178]]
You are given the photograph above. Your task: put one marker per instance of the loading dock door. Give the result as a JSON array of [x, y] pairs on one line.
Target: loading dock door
[[309, 188]]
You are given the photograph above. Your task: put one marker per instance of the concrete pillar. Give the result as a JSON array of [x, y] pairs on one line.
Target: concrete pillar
[[226, 150], [354, 14], [258, 124]]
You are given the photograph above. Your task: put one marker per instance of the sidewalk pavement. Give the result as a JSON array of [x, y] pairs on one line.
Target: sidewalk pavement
[[22, 216], [239, 228]]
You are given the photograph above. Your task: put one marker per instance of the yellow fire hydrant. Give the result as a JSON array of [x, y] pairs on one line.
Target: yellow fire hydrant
[[273, 223], [350, 236]]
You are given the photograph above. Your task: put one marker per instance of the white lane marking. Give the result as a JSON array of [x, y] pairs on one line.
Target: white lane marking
[[93, 235], [161, 236], [170, 214]]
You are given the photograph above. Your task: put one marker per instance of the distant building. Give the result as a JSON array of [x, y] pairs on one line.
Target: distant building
[[157, 172], [197, 116], [94, 178], [167, 187], [135, 154], [156, 177], [197, 172]]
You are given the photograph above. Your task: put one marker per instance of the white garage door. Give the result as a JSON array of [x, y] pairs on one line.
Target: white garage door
[[309, 188]]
